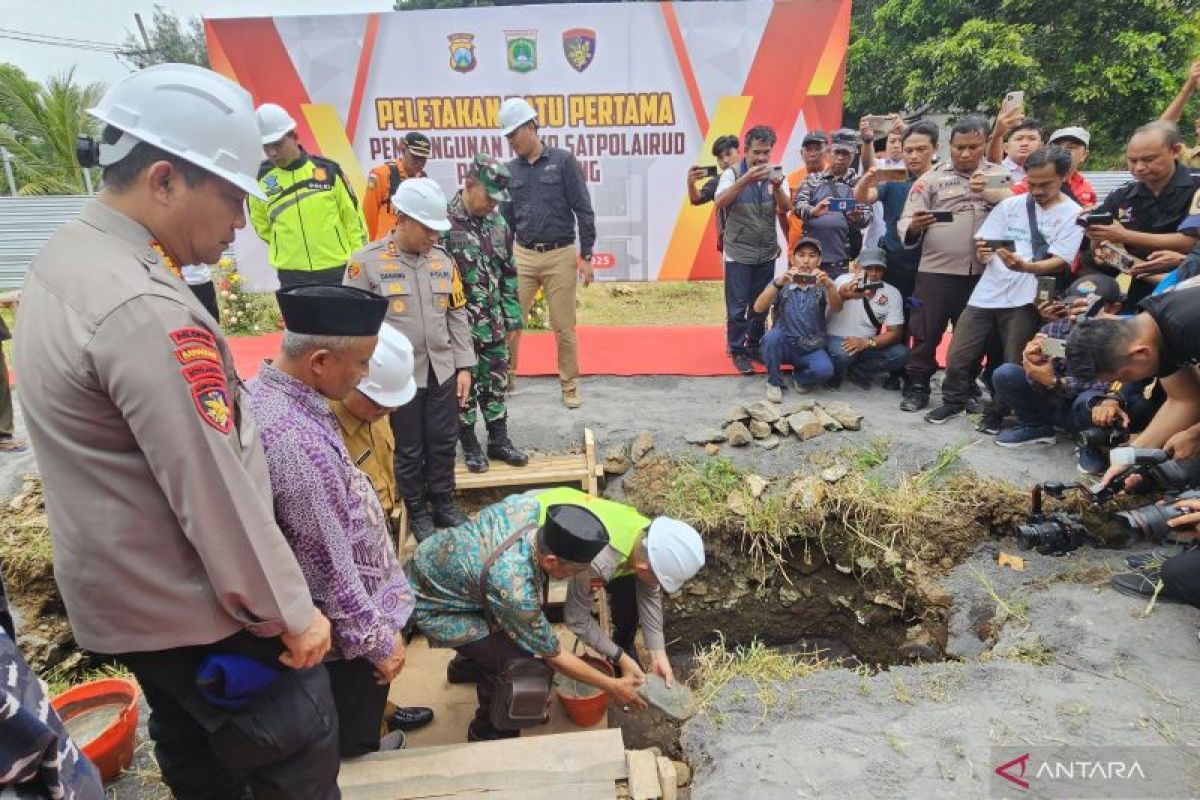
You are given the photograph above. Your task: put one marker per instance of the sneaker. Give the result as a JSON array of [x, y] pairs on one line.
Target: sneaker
[[1092, 461], [774, 393], [915, 400], [1023, 435], [742, 364], [990, 424], [943, 413], [804, 388], [1141, 585]]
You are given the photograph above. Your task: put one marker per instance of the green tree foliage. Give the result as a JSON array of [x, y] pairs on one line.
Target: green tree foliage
[[1109, 65], [42, 123], [171, 41]]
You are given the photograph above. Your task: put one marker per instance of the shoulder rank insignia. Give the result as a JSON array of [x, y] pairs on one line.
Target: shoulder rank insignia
[[354, 270], [212, 401], [458, 298]]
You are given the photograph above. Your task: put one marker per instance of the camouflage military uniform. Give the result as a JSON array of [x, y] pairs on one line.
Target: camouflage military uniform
[[482, 249]]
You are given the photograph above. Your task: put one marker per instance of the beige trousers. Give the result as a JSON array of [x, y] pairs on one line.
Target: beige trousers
[[554, 272]]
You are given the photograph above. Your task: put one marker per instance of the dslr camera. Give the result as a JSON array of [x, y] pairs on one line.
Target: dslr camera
[[1103, 438]]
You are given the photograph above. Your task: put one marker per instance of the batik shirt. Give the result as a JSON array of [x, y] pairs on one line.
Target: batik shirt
[[446, 572], [330, 514], [482, 250]]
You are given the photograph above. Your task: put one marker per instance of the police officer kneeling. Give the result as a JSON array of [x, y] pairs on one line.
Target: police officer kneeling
[[479, 590], [166, 549]]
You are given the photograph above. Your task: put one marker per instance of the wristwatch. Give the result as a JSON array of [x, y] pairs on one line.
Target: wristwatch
[[616, 661], [587, 258], [872, 342]]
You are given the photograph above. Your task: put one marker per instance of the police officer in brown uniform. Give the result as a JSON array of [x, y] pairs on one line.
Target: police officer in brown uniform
[[166, 550], [426, 304]]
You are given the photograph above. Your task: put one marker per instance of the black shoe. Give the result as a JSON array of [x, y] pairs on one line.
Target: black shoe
[[481, 731], [755, 355], [409, 719], [501, 448], [1141, 584], [861, 381], [943, 413], [463, 670], [990, 423], [742, 364], [915, 400], [420, 523], [473, 455], [893, 382], [833, 384], [445, 512]]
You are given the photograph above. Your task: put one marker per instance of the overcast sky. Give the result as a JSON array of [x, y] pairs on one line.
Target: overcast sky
[[108, 20]]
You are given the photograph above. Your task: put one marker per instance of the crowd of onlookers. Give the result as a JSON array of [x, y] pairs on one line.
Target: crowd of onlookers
[[1003, 241]]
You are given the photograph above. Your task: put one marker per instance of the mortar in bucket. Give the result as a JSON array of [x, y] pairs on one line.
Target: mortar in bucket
[[101, 717], [584, 704]]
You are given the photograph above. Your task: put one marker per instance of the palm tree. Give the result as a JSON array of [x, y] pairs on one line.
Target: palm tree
[[41, 123]]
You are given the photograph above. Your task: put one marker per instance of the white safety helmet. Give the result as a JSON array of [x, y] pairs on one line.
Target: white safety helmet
[[423, 200], [676, 552], [274, 122], [390, 381], [189, 112], [515, 112]]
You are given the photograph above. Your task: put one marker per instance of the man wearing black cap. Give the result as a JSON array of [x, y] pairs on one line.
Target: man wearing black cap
[[504, 556], [327, 508], [1040, 392], [385, 179], [814, 151], [816, 204]]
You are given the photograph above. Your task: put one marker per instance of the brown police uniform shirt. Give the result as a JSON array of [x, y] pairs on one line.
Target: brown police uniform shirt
[[372, 448], [425, 303], [157, 491], [948, 248]]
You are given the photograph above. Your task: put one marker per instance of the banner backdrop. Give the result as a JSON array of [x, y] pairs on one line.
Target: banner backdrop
[[637, 91]]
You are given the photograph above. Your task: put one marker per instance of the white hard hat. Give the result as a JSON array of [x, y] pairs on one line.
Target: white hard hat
[[515, 112], [189, 112], [676, 552], [274, 122], [423, 200], [390, 381]]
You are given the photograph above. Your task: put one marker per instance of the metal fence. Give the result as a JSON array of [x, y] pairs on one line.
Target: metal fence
[[27, 222]]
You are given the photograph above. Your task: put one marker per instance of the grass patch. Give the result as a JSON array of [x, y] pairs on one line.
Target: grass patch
[[1007, 609], [60, 678], [1032, 651], [717, 665], [25, 551], [652, 303], [872, 455]]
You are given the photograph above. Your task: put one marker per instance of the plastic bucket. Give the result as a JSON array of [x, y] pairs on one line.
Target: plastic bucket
[[101, 717], [584, 704]]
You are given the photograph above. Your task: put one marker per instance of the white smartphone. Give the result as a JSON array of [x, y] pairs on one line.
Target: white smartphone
[[1014, 100], [1054, 348], [776, 172]]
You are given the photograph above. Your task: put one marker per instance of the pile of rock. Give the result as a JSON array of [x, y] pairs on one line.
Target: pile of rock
[[766, 424]]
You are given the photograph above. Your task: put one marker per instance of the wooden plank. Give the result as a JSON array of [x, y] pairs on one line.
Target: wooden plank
[[560, 788], [643, 775], [667, 779], [586, 756], [591, 481]]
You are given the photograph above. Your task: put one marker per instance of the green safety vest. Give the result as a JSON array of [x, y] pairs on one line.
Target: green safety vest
[[622, 522]]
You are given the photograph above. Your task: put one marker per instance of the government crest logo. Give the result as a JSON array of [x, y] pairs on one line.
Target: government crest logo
[[462, 52], [579, 46], [522, 50]]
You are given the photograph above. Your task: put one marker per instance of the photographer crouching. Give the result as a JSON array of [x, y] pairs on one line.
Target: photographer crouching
[[1161, 341]]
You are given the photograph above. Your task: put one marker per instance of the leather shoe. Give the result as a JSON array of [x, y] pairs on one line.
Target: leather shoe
[[1141, 584], [915, 400], [481, 731], [420, 524], [473, 455], [409, 718], [463, 670], [446, 513], [501, 448]]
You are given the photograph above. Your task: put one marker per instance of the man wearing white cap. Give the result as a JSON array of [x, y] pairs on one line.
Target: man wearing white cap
[[427, 304], [310, 219], [166, 549], [1076, 141], [643, 559], [549, 199]]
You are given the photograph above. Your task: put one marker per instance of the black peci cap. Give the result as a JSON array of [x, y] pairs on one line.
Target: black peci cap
[[322, 309], [573, 534]]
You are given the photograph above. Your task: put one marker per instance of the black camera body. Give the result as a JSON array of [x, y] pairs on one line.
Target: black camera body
[[1052, 534], [1150, 521], [1103, 438]]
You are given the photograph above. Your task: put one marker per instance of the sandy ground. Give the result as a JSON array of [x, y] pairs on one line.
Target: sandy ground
[[1116, 678]]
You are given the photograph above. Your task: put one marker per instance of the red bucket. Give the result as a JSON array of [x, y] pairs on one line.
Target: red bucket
[[102, 716], [585, 704]]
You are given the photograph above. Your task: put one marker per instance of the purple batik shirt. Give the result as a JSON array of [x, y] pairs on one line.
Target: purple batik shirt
[[330, 514]]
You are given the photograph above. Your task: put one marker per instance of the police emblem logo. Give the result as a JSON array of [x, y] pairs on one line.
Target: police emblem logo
[[212, 402], [353, 270], [579, 46], [271, 185], [443, 303], [522, 50], [397, 306], [462, 52], [319, 174]]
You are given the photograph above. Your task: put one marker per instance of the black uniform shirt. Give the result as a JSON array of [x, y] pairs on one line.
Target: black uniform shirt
[[1177, 314], [548, 197]]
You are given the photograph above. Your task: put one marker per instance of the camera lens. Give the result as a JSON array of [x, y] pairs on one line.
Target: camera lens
[[1149, 522]]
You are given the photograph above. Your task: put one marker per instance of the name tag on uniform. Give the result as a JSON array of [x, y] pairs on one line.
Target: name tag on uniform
[[397, 287], [952, 191]]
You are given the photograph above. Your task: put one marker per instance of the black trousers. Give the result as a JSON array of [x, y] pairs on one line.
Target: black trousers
[[937, 300], [1181, 576], [426, 431], [490, 654], [359, 700], [298, 277], [282, 746], [206, 293], [622, 606]]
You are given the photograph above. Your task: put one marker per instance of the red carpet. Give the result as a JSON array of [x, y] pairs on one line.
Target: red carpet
[[603, 350]]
